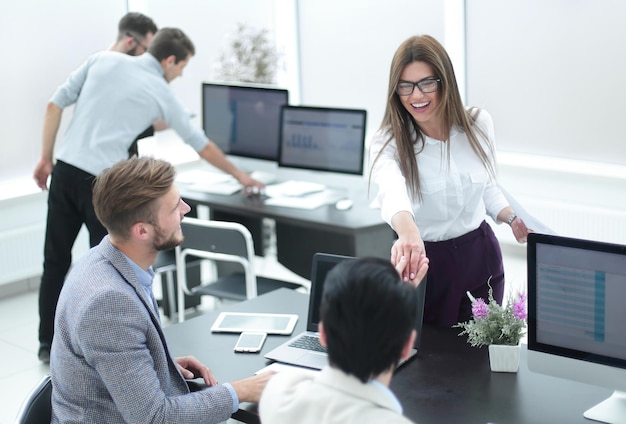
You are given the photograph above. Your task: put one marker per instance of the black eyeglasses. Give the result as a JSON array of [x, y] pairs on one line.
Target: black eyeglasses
[[426, 85], [137, 40]]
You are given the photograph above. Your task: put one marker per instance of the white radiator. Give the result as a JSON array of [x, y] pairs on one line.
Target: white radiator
[[580, 221], [21, 253]]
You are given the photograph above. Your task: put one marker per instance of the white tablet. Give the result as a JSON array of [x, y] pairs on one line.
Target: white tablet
[[236, 322]]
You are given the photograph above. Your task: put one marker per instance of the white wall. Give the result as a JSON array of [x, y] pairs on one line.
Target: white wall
[[43, 41], [551, 72], [346, 49]]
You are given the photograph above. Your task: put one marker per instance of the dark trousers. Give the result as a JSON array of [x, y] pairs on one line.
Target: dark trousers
[[69, 207], [459, 265]]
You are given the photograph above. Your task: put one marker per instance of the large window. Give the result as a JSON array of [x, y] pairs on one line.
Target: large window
[[551, 73]]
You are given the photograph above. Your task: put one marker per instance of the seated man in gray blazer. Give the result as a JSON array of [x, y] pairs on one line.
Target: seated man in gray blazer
[[367, 324], [110, 361]]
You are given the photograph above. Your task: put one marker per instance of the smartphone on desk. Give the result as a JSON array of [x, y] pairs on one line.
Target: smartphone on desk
[[250, 342]]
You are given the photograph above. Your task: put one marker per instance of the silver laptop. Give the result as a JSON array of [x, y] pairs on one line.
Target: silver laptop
[[305, 349]]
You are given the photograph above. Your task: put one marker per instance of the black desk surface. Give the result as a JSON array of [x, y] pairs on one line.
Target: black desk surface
[[447, 382], [300, 233]]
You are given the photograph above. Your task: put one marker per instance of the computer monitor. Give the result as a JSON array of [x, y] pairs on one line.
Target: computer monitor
[[243, 120], [577, 316], [322, 139]]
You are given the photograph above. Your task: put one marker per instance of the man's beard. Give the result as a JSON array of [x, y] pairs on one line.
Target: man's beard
[[162, 242]]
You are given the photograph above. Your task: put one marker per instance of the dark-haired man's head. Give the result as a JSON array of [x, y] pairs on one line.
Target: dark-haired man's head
[[173, 49], [135, 32], [367, 316]]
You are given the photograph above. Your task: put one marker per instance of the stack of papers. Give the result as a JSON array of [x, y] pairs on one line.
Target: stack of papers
[[292, 188], [309, 201], [226, 188], [209, 182], [264, 177]]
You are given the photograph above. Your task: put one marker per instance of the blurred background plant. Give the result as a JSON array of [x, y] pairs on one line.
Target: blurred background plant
[[251, 57]]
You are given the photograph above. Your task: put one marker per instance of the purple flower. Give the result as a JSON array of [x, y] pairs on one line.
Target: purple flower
[[519, 307], [479, 308]]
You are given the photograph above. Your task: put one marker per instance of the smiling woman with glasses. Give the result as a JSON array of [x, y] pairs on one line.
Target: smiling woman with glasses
[[433, 162]]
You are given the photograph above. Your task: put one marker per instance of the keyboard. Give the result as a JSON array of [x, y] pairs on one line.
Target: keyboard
[[308, 343]]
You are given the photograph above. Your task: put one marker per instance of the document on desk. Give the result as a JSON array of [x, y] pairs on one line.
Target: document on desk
[[309, 201], [210, 182], [531, 222], [201, 176], [227, 188], [280, 367], [293, 188]]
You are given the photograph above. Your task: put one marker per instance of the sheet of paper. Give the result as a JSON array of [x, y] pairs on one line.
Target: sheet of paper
[[280, 367], [199, 176], [531, 222], [293, 188], [216, 188], [310, 201]]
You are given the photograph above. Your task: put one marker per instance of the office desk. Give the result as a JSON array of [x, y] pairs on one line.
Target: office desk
[[359, 231], [447, 382]]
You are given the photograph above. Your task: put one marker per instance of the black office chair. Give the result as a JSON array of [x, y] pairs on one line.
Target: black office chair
[[37, 407], [224, 243]]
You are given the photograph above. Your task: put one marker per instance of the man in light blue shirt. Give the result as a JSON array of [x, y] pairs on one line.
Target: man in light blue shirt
[[116, 97]]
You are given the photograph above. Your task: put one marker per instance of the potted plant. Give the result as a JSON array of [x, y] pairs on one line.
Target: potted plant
[[251, 58], [499, 327]]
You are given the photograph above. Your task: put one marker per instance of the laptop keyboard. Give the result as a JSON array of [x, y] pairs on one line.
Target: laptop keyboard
[[308, 343]]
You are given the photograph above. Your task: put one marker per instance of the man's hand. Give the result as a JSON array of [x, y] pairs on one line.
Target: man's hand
[[422, 269], [191, 368], [250, 185], [409, 244], [250, 389], [42, 172]]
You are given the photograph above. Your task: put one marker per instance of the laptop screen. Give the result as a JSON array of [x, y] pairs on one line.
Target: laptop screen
[[322, 264]]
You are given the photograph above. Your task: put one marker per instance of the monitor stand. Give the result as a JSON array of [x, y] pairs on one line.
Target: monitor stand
[[611, 410]]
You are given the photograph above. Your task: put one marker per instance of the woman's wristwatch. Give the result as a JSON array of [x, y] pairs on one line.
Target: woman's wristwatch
[[511, 218]]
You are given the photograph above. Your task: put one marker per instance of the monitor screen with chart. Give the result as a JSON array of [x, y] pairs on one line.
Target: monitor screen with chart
[[576, 315], [322, 139], [243, 120]]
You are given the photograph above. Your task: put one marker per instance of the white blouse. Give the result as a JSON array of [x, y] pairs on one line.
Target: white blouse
[[455, 196]]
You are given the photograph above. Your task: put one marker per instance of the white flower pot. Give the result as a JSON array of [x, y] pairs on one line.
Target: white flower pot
[[503, 358]]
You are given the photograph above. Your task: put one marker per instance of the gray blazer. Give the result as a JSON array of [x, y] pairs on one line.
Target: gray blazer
[[110, 361]]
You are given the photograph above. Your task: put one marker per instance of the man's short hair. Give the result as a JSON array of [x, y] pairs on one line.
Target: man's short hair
[[129, 191], [368, 314], [136, 24], [171, 41]]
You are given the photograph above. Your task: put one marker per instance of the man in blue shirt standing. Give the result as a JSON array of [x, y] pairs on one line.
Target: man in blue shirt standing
[[116, 97]]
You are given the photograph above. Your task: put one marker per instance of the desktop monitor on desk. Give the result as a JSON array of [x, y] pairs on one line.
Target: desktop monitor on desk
[[243, 120], [577, 316], [322, 139]]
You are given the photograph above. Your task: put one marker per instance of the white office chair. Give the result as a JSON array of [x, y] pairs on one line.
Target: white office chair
[[37, 407], [227, 243]]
